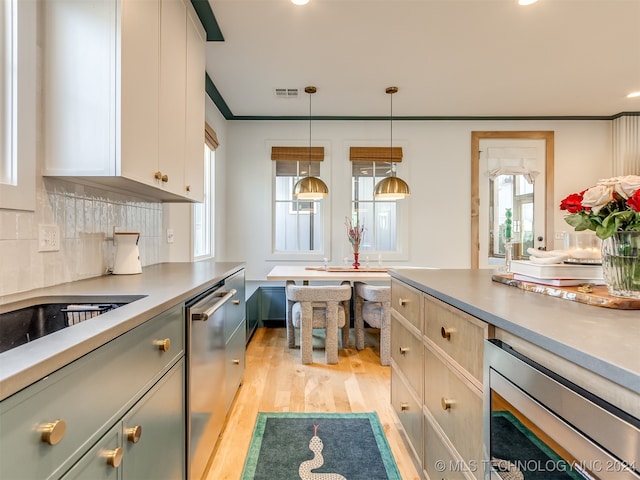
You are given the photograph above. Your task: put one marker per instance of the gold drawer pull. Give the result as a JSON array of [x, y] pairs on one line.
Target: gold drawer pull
[[235, 361], [114, 457], [404, 350], [188, 188], [53, 432], [446, 403], [446, 332], [133, 434], [157, 175], [404, 406], [165, 178], [236, 302], [163, 345], [402, 301]]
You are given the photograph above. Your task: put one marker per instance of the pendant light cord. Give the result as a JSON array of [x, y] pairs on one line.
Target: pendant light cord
[[309, 174], [393, 173]]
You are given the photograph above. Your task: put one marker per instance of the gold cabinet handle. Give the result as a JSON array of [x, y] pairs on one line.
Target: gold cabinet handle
[[404, 406], [404, 350], [446, 403], [52, 432], [133, 434], [236, 301], [446, 332], [164, 178], [235, 361], [157, 175], [163, 345], [402, 301], [114, 457], [188, 188]]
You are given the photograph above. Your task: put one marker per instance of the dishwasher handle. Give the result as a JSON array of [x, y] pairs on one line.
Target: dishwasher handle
[[206, 307]]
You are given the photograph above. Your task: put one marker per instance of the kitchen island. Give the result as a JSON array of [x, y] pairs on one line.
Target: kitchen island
[[602, 340], [441, 323]]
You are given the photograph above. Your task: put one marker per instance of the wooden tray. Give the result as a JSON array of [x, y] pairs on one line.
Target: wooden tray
[[349, 269], [599, 295]]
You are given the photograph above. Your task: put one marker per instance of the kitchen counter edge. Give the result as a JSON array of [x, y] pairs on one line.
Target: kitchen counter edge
[[602, 340], [162, 286]]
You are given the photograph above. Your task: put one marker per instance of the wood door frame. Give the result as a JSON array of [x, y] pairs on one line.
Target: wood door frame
[[476, 136]]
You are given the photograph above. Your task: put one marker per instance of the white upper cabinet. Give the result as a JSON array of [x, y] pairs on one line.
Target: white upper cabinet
[[195, 109], [118, 108]]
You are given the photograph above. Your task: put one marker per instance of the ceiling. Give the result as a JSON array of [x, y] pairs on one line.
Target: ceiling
[[448, 58]]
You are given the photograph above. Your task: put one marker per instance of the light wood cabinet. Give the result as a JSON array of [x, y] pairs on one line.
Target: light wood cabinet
[[436, 375], [123, 104]]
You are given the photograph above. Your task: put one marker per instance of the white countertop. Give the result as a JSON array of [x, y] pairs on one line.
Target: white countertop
[[162, 287], [296, 272], [603, 340]]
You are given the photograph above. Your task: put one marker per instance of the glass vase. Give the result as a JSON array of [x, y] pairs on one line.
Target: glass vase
[[621, 264]]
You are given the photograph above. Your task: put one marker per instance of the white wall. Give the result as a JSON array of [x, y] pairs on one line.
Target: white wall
[[436, 165]]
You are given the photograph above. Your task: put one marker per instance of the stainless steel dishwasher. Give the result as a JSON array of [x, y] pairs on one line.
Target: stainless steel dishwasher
[[206, 399]]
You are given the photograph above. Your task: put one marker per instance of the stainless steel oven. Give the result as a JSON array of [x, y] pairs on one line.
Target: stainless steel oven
[[538, 425]]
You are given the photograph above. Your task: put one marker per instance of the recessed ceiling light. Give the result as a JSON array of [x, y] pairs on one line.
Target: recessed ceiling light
[[633, 95], [526, 2], [299, 2]]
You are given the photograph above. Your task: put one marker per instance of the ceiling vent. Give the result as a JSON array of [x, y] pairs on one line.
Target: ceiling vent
[[286, 92]]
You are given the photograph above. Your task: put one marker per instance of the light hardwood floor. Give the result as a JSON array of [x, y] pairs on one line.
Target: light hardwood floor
[[276, 381]]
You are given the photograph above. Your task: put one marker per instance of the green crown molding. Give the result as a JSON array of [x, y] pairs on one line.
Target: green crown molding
[[214, 95], [208, 20]]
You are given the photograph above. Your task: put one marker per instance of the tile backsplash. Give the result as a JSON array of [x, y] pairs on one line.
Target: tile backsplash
[[86, 218]]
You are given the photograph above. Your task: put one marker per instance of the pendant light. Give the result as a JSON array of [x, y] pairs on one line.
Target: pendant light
[[310, 187], [391, 187]]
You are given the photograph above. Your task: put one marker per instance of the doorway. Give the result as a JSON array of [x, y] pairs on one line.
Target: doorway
[[514, 170]]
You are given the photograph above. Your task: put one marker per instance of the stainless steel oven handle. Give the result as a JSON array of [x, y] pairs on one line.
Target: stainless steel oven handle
[[206, 307]]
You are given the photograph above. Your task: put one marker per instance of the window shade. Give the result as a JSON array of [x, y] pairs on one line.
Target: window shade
[[375, 154], [210, 137], [297, 153]]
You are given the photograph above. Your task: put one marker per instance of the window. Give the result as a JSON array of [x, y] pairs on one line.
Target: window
[[381, 218], [515, 193], [204, 213], [298, 224], [17, 94]]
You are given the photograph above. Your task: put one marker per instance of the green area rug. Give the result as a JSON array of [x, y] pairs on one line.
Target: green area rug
[[349, 446], [517, 446]]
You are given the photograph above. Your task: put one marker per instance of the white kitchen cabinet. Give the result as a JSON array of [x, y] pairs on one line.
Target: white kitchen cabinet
[[118, 111], [195, 109]]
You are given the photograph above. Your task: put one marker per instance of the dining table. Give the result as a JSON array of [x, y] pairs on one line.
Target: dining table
[[308, 274]]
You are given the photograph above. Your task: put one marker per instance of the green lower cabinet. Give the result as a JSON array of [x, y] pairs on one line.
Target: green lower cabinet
[[149, 441], [102, 461], [157, 421]]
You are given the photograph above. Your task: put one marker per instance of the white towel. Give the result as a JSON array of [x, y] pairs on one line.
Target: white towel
[[84, 313]]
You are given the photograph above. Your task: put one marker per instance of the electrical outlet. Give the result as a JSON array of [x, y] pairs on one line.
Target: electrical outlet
[[48, 238], [169, 235]]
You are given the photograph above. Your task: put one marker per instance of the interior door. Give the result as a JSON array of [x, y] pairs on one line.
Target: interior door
[[512, 179], [511, 170]]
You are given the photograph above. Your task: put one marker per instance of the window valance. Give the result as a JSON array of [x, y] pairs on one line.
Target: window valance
[[298, 154], [375, 154], [513, 161], [210, 137]]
